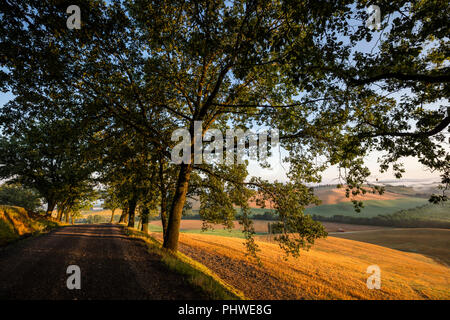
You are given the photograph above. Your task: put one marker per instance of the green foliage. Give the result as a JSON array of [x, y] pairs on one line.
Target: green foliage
[[49, 157], [439, 198], [16, 195], [294, 229]]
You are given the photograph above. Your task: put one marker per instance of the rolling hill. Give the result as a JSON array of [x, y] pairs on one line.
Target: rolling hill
[[371, 208]]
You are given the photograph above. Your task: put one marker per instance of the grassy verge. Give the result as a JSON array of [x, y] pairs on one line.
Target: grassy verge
[[194, 272], [16, 224]]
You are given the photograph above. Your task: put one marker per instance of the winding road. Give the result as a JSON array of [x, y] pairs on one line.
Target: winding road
[[112, 266]]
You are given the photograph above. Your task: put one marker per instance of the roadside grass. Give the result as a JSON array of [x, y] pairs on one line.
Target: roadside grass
[[16, 224], [194, 272]]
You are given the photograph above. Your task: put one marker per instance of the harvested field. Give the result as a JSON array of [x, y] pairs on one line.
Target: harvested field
[[434, 243], [333, 269]]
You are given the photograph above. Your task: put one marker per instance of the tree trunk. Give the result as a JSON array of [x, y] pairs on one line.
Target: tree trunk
[[164, 215], [67, 217], [112, 215], [123, 215], [179, 199], [60, 213], [50, 206], [131, 212], [144, 219], [162, 189]]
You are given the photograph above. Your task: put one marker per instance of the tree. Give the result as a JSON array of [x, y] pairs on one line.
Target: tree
[[384, 90], [82, 202], [46, 158], [111, 202], [52, 156], [75, 198], [299, 66]]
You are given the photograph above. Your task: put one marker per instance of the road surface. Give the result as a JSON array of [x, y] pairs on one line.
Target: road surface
[[112, 266]]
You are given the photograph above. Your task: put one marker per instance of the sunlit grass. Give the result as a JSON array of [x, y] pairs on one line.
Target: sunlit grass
[[333, 269], [15, 223]]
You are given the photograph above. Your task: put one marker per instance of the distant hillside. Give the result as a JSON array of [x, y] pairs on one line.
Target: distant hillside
[[332, 195], [422, 191], [430, 242], [424, 216], [371, 208], [337, 195]]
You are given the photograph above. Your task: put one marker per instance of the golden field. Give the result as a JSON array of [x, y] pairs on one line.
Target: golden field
[[333, 269]]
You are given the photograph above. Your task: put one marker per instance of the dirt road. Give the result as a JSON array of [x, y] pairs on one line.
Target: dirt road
[[112, 266]]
